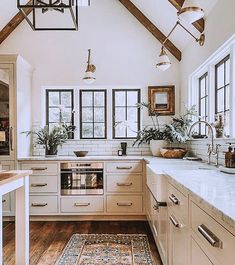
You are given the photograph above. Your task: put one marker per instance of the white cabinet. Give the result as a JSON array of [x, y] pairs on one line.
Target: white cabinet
[[198, 256]]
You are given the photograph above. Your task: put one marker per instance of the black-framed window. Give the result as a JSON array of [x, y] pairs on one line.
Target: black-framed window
[[93, 116], [59, 107], [222, 91], [203, 106], [126, 114]]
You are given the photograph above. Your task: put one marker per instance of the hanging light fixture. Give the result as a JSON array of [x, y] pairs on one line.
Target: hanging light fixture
[[190, 12], [89, 74], [36, 13], [164, 61]]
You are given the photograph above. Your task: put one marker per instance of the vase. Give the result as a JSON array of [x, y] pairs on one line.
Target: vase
[[51, 151], [156, 145]]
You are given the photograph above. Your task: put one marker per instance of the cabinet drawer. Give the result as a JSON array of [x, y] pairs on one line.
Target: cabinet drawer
[[124, 183], [82, 204], [124, 204], [43, 183], [41, 168], [219, 242], [43, 204], [6, 202], [177, 202], [124, 167]]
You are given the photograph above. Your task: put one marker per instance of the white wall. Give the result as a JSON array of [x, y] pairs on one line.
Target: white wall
[[220, 26], [124, 52]]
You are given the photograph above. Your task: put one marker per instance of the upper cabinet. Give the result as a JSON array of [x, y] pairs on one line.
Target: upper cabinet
[[15, 107]]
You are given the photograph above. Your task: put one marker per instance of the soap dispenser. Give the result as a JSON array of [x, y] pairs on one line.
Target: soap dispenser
[[229, 156], [233, 159]]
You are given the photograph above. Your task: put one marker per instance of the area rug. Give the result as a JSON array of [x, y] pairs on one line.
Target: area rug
[[106, 249]]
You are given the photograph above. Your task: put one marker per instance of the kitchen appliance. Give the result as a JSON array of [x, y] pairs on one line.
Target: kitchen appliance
[[82, 178]]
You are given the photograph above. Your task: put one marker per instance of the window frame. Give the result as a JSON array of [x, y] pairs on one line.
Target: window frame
[[80, 114], [47, 103], [126, 107]]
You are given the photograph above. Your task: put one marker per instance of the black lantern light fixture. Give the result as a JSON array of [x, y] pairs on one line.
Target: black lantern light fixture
[[46, 14]]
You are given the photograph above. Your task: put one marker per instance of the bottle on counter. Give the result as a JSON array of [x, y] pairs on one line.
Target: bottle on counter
[[229, 156], [233, 159]]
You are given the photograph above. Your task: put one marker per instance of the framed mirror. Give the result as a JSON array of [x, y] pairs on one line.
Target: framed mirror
[[162, 100]]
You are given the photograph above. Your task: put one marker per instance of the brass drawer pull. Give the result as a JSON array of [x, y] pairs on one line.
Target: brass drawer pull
[[38, 168], [213, 240], [128, 204], [3, 201], [124, 184], [39, 204], [76, 204], [174, 199], [123, 167], [175, 221], [38, 185]]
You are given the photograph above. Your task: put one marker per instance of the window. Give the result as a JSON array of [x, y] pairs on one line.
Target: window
[[222, 88], [203, 103], [126, 114], [93, 114], [59, 107]]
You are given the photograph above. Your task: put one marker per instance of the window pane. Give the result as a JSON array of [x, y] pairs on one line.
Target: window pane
[[120, 114], [54, 115], [66, 99], [220, 100], [227, 73], [99, 130], [99, 115], [87, 114], [132, 114], [132, 98], [120, 98], [120, 131], [203, 88], [99, 98], [87, 99], [226, 124], [54, 99], [220, 76], [87, 130], [203, 109], [227, 106], [66, 115]]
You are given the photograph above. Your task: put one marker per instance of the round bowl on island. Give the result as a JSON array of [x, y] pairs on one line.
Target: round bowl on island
[[80, 153]]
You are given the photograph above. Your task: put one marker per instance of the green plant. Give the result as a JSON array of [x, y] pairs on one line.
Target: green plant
[[177, 130], [51, 139]]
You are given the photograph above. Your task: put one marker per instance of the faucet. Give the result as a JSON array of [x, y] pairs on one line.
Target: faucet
[[214, 150]]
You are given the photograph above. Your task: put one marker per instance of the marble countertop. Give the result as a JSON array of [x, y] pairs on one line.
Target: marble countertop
[[209, 186]]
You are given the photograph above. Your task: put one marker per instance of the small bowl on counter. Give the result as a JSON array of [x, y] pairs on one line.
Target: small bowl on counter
[[80, 153], [173, 152]]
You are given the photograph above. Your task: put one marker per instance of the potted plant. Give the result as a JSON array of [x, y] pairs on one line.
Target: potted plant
[[154, 135], [51, 139]]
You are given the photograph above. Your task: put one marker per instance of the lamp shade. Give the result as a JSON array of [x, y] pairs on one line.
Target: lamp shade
[[89, 77], [164, 62], [190, 12], [2, 136]]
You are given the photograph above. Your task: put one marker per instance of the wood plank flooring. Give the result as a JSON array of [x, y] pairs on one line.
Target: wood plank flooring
[[47, 239]]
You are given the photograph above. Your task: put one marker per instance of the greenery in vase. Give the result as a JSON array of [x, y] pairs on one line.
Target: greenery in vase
[[53, 138]]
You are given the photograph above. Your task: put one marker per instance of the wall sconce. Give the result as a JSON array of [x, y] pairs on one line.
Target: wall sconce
[[2, 136], [190, 12], [89, 74], [164, 62]]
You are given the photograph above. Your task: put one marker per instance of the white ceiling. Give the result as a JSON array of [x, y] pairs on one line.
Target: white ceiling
[[160, 12]]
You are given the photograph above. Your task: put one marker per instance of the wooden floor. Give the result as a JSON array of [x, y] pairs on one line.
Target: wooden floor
[[47, 239]]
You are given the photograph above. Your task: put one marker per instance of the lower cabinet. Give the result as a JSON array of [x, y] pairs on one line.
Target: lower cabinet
[[46, 204], [198, 256]]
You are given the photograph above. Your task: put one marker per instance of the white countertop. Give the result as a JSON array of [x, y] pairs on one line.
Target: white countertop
[[214, 189]]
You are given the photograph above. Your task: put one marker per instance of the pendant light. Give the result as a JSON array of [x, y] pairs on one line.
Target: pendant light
[[190, 12], [89, 74], [164, 61]]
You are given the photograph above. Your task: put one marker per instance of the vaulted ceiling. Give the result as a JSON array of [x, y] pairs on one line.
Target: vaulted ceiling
[[162, 13]]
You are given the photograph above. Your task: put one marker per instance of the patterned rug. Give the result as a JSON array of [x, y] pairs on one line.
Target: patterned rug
[[106, 249]]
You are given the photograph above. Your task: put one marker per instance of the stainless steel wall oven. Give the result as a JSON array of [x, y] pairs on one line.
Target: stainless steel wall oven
[[82, 178]]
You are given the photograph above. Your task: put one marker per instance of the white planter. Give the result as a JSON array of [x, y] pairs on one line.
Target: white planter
[[156, 145]]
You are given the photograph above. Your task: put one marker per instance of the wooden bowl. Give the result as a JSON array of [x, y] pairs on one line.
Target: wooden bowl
[[80, 153], [173, 152]]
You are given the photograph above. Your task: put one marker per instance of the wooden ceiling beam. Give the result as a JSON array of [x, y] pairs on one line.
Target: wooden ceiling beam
[[13, 23], [199, 25], [152, 28]]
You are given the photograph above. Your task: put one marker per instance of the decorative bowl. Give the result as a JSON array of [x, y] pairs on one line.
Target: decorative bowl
[[173, 152], [80, 153]]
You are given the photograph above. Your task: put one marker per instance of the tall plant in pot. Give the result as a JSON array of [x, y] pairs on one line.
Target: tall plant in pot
[[152, 135]]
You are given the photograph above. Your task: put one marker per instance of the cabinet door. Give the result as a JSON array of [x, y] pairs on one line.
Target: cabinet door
[[197, 255], [178, 241], [6, 112]]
